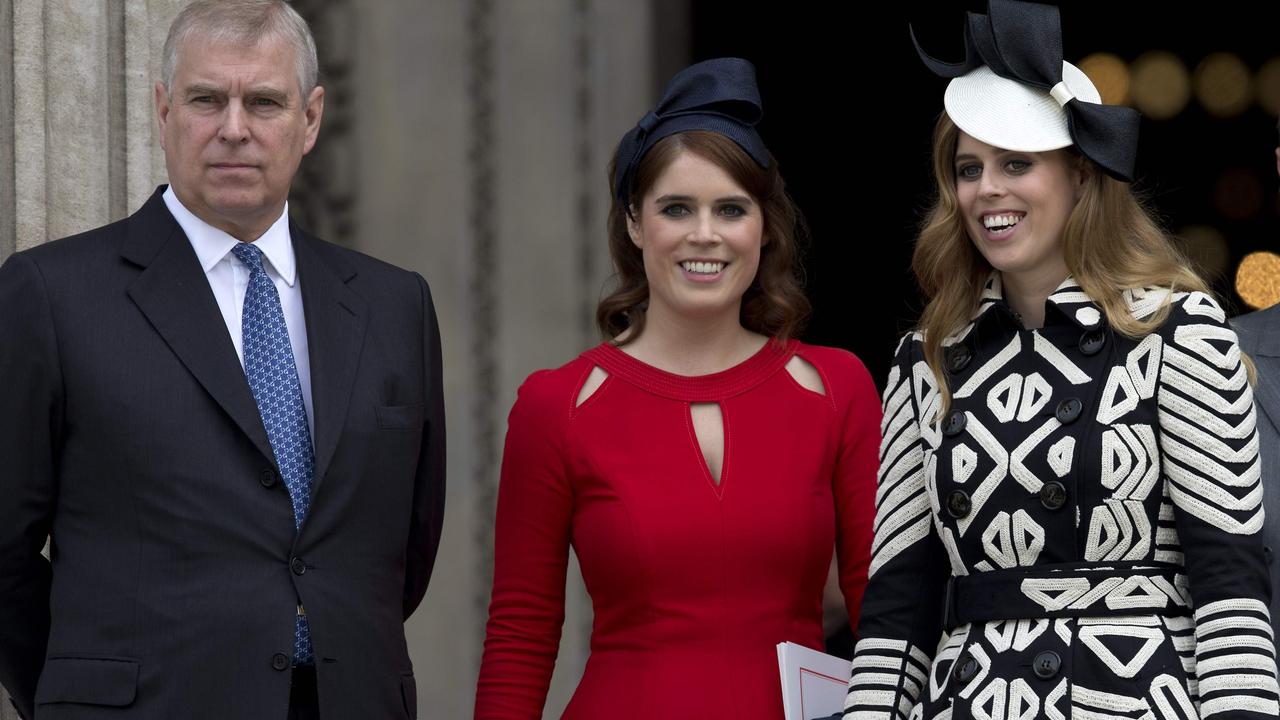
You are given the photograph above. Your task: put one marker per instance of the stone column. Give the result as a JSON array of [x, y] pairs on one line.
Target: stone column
[[484, 131], [77, 146], [77, 135]]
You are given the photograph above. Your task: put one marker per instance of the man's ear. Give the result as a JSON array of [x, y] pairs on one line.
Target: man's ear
[[315, 111], [162, 109]]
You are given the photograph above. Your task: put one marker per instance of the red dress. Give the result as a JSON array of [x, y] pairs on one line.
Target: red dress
[[693, 584]]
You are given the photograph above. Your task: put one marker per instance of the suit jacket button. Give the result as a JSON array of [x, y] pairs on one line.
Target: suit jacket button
[[1069, 410], [1092, 342], [954, 424], [958, 504], [268, 478], [297, 565], [1053, 495], [1046, 665], [280, 661]]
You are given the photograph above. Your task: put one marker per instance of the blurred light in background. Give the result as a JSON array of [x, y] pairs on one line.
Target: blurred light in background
[[1207, 250], [1159, 86], [1269, 86], [1258, 279], [1111, 76], [1224, 85], [1238, 194]]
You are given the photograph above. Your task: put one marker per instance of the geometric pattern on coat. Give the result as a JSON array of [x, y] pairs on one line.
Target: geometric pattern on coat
[[1117, 477]]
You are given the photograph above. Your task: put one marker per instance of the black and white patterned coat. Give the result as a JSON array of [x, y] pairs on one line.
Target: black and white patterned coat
[[1079, 536]]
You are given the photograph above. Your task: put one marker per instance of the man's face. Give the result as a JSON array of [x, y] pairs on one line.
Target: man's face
[[234, 127]]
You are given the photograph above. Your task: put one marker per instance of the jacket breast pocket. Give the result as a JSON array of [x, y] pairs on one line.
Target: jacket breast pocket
[[399, 417], [108, 681]]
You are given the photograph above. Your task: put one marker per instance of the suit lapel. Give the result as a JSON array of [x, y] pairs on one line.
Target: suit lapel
[[1262, 344], [173, 293], [1268, 389], [336, 319], [1265, 351]]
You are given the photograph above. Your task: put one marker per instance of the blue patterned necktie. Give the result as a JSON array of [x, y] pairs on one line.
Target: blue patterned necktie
[[273, 378]]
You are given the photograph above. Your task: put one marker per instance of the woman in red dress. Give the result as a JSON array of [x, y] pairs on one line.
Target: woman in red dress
[[702, 462]]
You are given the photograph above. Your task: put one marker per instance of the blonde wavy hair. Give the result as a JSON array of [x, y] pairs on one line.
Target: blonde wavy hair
[[1110, 242]]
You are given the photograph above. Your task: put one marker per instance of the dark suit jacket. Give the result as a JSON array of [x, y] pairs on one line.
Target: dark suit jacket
[[1260, 338], [129, 434]]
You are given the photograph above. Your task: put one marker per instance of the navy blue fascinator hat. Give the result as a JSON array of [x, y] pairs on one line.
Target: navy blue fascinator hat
[[1013, 90], [717, 95]]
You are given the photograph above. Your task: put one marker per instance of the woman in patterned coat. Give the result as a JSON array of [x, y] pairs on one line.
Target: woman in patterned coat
[[1068, 513]]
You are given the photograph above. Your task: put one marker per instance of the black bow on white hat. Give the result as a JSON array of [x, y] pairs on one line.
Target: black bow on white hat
[[1014, 91]]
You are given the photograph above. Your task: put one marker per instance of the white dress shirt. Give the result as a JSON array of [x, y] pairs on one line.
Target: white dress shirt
[[229, 279]]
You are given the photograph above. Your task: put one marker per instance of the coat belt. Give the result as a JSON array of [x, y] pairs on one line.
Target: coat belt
[[1067, 590]]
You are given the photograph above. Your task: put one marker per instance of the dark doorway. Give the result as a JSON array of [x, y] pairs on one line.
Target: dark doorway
[[849, 110]]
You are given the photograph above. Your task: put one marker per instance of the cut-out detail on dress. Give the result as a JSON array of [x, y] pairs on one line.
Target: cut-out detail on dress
[[806, 375], [595, 379], [708, 426]]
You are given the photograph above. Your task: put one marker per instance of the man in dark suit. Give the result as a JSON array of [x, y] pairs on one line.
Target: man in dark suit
[[1260, 338], [231, 431]]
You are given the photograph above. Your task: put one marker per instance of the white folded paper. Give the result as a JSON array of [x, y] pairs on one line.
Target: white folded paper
[[814, 684]]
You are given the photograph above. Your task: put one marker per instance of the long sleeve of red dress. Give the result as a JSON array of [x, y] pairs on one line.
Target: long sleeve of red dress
[[693, 582]]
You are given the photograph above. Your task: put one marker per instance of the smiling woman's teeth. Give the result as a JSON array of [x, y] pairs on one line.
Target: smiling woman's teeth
[[999, 222], [702, 268]]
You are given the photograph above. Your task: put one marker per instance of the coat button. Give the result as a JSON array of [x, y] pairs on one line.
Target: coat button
[[280, 661], [965, 668], [297, 565], [958, 357], [1092, 342], [268, 478], [958, 504], [1053, 495], [955, 423], [1069, 410], [1046, 664]]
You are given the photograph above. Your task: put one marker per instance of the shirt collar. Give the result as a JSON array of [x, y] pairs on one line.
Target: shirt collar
[[212, 245]]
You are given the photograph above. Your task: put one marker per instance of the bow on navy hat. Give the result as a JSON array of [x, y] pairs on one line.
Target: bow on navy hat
[[1022, 42], [717, 95]]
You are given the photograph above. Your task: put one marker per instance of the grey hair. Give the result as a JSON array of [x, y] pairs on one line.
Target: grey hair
[[243, 22]]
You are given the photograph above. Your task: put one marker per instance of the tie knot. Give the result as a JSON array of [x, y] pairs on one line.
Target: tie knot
[[249, 255]]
